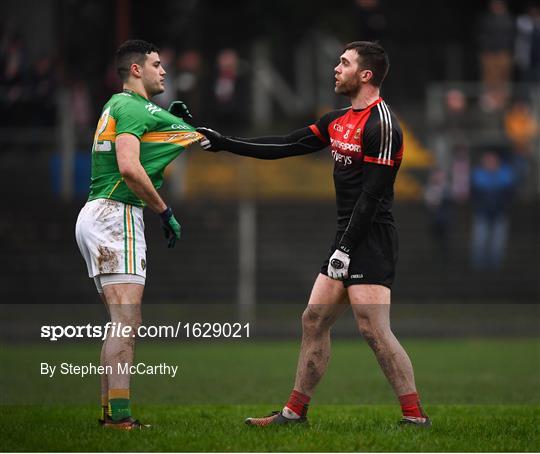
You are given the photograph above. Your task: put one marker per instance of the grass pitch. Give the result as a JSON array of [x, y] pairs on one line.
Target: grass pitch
[[482, 395], [219, 428]]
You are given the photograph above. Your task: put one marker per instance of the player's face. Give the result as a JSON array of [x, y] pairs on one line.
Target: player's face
[[153, 75], [349, 76]]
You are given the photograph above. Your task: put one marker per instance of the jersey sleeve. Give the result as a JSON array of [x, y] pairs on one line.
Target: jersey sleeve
[[382, 138], [297, 143], [320, 127], [130, 119]]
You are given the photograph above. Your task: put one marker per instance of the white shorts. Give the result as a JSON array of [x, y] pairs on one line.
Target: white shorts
[[118, 278], [110, 236]]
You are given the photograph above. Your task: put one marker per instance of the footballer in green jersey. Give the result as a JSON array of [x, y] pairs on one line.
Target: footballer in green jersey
[[162, 137], [134, 142]]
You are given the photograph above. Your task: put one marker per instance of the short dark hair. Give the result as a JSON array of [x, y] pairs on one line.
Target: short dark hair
[[373, 57], [132, 51]]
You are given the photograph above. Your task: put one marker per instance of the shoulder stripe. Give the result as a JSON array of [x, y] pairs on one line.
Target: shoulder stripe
[[391, 131], [382, 130], [385, 149], [385, 115]]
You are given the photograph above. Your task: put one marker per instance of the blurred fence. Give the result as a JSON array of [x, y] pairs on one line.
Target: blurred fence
[[266, 247], [40, 261]]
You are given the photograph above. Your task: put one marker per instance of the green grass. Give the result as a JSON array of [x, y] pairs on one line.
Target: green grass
[[482, 394], [220, 428]]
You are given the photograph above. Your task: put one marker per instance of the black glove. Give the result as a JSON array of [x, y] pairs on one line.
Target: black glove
[[214, 140], [180, 110], [171, 227]]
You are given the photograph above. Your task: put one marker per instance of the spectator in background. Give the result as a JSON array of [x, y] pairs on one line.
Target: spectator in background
[[43, 100], [230, 91], [456, 112], [521, 129], [13, 75], [492, 187], [371, 20], [81, 106], [451, 128], [496, 45], [461, 174], [527, 51], [438, 201], [188, 81]]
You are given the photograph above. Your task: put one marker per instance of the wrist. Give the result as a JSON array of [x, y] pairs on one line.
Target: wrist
[[223, 142], [166, 214], [345, 248]]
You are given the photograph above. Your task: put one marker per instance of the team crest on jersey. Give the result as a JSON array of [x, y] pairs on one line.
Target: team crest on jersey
[[357, 134], [152, 108], [143, 264]]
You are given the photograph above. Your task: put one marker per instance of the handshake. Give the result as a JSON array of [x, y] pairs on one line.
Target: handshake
[[213, 140]]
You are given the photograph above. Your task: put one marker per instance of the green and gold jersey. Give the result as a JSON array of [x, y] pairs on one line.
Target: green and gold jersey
[[162, 135]]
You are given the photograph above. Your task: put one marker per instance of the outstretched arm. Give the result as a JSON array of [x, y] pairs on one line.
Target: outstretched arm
[[300, 142]]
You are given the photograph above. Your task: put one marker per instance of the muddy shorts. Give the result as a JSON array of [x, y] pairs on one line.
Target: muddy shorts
[[110, 236]]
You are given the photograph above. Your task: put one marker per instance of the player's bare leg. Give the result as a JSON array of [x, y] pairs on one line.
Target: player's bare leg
[[371, 308], [124, 304], [325, 305]]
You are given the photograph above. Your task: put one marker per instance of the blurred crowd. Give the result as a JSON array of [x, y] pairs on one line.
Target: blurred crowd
[[486, 140], [27, 86], [217, 91], [508, 46], [217, 86]]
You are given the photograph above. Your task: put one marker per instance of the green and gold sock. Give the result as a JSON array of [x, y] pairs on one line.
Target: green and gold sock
[[104, 406], [119, 404]]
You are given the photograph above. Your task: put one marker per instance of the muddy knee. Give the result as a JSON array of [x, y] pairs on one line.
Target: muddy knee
[[374, 334], [315, 322], [127, 315], [369, 332]]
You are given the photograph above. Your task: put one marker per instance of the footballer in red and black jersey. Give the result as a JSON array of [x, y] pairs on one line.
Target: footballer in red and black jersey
[[356, 137], [367, 148], [366, 144]]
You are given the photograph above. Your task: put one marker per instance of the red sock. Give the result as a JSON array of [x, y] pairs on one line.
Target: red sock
[[298, 403], [410, 405]]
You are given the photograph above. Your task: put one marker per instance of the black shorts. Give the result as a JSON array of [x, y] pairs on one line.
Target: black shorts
[[374, 260]]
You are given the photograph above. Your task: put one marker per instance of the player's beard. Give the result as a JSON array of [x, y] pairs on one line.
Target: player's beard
[[154, 89], [348, 88]]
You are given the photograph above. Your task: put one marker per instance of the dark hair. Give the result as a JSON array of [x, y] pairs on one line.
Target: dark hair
[[373, 57], [132, 51]]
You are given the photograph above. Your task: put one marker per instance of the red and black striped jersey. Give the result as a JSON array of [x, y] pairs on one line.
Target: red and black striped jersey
[[366, 146], [356, 137]]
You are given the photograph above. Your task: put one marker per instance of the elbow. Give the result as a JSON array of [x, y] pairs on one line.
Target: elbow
[[127, 172]]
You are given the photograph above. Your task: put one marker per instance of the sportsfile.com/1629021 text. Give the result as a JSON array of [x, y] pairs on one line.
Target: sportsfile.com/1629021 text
[[204, 330]]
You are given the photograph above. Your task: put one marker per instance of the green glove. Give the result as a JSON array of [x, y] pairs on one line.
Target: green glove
[[171, 227], [180, 110]]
